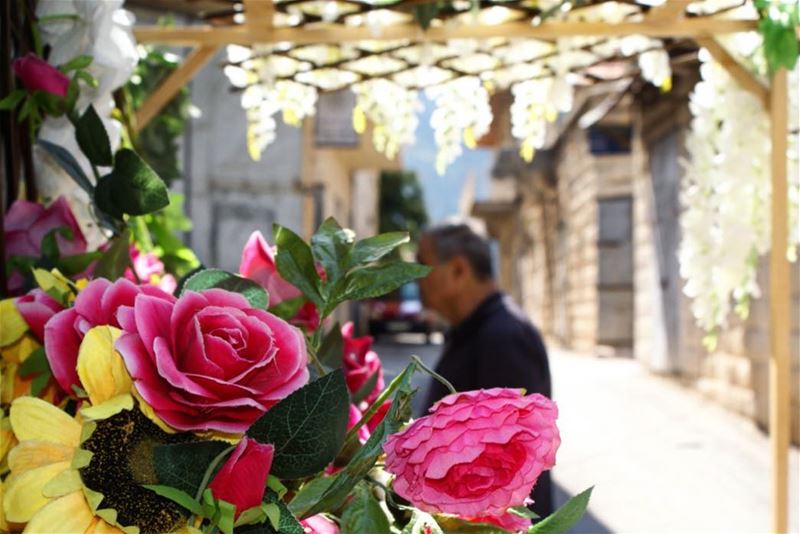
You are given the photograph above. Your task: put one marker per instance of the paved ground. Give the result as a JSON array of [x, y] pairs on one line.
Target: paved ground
[[662, 458]]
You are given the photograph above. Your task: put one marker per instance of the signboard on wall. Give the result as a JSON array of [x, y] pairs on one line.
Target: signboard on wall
[[333, 122]]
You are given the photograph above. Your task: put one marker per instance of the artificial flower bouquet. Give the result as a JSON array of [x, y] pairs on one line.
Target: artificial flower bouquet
[[208, 410]]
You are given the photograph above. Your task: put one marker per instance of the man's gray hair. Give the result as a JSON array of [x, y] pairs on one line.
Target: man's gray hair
[[464, 237]]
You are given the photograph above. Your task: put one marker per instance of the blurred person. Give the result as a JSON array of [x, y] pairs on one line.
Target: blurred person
[[490, 343]]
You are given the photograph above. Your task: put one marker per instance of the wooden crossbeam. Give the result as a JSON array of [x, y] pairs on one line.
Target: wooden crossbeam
[[211, 35], [173, 83], [669, 10], [738, 72]]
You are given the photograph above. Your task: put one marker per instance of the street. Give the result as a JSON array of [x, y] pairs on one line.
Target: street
[[661, 457]]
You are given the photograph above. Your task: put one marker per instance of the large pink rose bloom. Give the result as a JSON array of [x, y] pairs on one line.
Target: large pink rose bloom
[[258, 264], [96, 305], [209, 361], [37, 307], [476, 454], [360, 363]]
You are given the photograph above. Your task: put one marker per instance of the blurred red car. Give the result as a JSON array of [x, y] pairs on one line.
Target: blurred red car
[[400, 311]]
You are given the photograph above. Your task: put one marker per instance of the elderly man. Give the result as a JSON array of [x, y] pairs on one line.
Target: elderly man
[[490, 343]]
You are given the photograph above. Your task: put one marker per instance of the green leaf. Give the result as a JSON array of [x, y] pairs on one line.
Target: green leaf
[[259, 514], [563, 519], [307, 428], [364, 459], [177, 496], [216, 278], [76, 264], [456, 525], [49, 245], [296, 264], [364, 515], [224, 516], [87, 78], [330, 246], [183, 465], [132, 187], [378, 280], [287, 309], [309, 494], [39, 383], [35, 364], [68, 162], [93, 138], [425, 13], [332, 348], [287, 522], [116, 259], [12, 99], [277, 486], [78, 62], [523, 511], [376, 247], [421, 523], [366, 389]]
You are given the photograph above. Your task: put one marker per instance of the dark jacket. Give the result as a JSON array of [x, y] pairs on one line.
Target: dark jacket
[[497, 346]]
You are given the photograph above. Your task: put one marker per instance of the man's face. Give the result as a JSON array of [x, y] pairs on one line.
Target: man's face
[[434, 287]]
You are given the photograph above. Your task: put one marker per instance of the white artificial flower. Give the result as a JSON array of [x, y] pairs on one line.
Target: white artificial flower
[[392, 109]]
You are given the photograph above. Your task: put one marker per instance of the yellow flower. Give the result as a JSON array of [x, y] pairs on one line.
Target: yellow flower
[[47, 489], [14, 326]]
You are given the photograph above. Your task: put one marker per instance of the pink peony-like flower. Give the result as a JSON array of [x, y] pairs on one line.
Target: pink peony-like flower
[[243, 477], [258, 264], [209, 361], [149, 270], [360, 363], [37, 307], [96, 305], [476, 454], [38, 75], [319, 524], [507, 521]]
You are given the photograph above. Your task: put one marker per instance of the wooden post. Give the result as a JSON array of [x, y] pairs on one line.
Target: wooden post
[[779, 305], [173, 83]]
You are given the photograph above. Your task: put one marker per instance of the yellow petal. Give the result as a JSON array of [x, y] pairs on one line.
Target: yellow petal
[[65, 482], [101, 527], [7, 439], [100, 367], [3, 524], [359, 120], [23, 494], [68, 514], [33, 418], [13, 323], [52, 281], [108, 408], [35, 453], [469, 138], [148, 412]]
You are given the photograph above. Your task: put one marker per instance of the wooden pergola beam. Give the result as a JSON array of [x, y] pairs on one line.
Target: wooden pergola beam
[[245, 35], [743, 76], [173, 83], [669, 10], [780, 299]]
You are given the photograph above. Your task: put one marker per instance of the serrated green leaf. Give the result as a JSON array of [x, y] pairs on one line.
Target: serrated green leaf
[[307, 428], [377, 280], [296, 264], [177, 496], [364, 514], [332, 348], [330, 246], [12, 99], [563, 519], [116, 259], [361, 463], [183, 465], [132, 187], [376, 247], [256, 295], [67, 162], [93, 138]]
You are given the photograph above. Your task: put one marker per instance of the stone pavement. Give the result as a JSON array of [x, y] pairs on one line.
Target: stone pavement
[[662, 458]]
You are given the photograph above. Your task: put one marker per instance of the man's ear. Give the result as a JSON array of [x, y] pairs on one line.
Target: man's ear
[[460, 267]]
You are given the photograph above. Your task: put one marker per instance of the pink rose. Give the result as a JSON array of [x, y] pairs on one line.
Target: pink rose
[[507, 521], [360, 363], [258, 264], [38, 75], [477, 453], [353, 417], [96, 305], [149, 270], [319, 524], [243, 478], [37, 307], [209, 361]]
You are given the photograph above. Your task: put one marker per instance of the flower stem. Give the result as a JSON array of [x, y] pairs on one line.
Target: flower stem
[[210, 471], [433, 373]]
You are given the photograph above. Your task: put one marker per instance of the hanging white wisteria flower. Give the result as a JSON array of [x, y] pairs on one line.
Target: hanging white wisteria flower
[[392, 110], [462, 114], [531, 110]]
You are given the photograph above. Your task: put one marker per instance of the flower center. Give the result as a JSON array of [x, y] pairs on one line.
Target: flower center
[[119, 446]]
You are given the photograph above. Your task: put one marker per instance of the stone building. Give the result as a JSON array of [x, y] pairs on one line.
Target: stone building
[[588, 234]]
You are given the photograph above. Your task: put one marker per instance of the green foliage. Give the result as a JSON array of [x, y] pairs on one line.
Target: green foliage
[[160, 235], [401, 204], [93, 138], [36, 366], [364, 514], [177, 496], [115, 259], [332, 347], [183, 465], [217, 278], [563, 519], [158, 141], [777, 24], [132, 187], [307, 428]]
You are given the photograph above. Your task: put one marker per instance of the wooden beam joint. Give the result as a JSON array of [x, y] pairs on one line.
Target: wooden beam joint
[[746, 79]]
